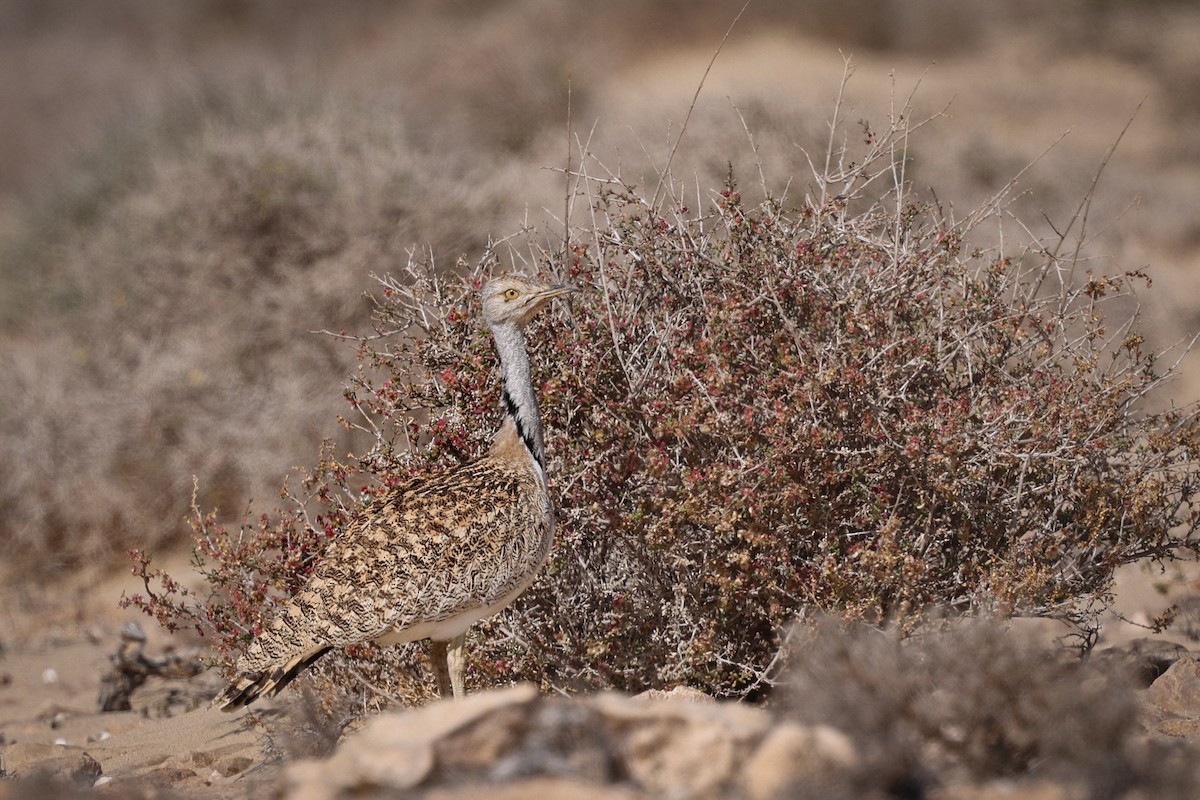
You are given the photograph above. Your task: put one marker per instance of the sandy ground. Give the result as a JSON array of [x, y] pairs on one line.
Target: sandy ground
[[51, 665], [50, 673], [50, 699]]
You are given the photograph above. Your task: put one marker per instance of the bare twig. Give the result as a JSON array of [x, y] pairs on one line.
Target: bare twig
[[665, 172]]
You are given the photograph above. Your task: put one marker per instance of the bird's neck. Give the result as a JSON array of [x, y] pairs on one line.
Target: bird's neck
[[518, 399]]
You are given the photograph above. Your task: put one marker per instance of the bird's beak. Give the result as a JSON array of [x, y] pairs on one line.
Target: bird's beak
[[542, 299], [556, 291]]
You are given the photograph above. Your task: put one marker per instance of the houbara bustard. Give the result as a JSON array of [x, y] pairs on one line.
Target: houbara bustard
[[437, 554]]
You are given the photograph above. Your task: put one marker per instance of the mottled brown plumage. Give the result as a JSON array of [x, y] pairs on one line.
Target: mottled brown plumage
[[435, 555]]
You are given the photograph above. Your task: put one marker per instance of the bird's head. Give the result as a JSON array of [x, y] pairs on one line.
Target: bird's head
[[515, 299]]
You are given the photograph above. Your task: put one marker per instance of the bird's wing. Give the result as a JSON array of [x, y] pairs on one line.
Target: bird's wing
[[424, 553]]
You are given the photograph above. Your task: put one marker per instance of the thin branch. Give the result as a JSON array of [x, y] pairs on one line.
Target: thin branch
[[666, 170], [568, 193]]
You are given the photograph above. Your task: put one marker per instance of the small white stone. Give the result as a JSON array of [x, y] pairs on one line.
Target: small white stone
[[103, 779], [61, 742], [49, 675]]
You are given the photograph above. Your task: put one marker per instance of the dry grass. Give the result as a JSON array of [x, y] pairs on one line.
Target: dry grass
[[968, 703], [210, 183], [173, 331]]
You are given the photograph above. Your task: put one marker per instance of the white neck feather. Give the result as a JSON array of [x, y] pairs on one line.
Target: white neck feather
[[518, 399]]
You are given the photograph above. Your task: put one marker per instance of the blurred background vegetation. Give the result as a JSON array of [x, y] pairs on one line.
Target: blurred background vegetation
[[189, 190]]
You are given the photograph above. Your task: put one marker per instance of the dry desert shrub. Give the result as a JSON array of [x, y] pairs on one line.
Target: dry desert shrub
[[169, 304], [964, 703], [756, 410]]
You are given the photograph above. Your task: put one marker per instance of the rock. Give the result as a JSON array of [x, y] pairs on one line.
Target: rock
[[397, 750], [535, 789], [518, 743], [167, 776], [234, 765], [682, 748], [1010, 790], [131, 668], [55, 714], [619, 709], [680, 693], [792, 754], [1144, 659], [1171, 706], [475, 745], [1175, 727], [71, 765], [1178, 690], [557, 737], [1157, 653]]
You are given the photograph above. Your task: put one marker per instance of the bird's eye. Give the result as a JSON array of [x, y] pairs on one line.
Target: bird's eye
[[511, 294]]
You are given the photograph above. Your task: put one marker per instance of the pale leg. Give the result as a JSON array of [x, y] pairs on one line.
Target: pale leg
[[455, 662]]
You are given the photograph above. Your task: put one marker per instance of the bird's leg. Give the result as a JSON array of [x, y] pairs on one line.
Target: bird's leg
[[437, 654], [455, 663]]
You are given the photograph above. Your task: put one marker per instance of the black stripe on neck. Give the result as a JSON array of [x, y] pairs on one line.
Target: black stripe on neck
[[510, 408]]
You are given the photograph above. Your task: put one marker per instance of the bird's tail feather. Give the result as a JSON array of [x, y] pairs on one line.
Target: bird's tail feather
[[250, 686]]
